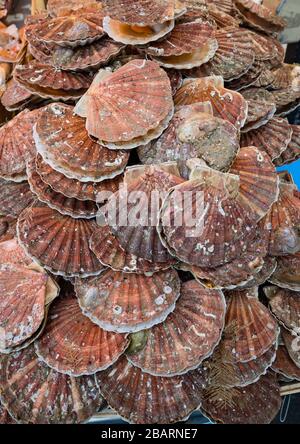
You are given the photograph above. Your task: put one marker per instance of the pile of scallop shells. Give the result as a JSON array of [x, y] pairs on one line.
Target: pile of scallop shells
[[163, 98]]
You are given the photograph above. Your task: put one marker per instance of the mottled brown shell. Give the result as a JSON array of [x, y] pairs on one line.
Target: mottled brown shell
[[59, 243], [284, 365], [194, 134], [292, 152], [14, 197], [257, 403], [292, 343], [157, 401], [63, 142], [273, 137], [15, 97], [259, 17], [35, 394], [17, 145], [73, 345], [285, 305], [261, 108], [254, 328], [127, 302], [187, 336]]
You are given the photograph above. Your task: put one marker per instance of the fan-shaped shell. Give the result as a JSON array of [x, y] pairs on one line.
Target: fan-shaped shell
[[257, 403], [140, 12], [261, 107], [137, 233], [35, 394], [209, 233], [267, 49], [85, 209], [17, 145], [73, 188], [259, 17], [286, 76], [236, 273], [56, 8], [254, 328], [70, 30], [225, 6], [127, 302], [76, 59], [15, 97], [60, 243], [187, 336], [250, 78], [235, 54], [135, 34], [281, 224], [260, 278], [194, 134], [228, 105], [45, 76], [157, 401], [140, 83], [286, 100], [108, 250], [287, 273], [292, 151], [73, 345], [26, 292], [14, 197], [273, 137], [292, 343], [63, 142], [221, 18], [259, 183], [285, 365], [285, 305]]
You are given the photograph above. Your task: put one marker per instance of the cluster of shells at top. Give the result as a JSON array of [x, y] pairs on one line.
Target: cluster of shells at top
[[156, 319]]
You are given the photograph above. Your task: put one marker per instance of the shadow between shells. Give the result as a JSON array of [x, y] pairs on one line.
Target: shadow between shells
[[155, 318]]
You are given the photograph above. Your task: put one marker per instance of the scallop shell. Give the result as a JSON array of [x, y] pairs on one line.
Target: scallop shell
[[261, 108], [59, 243], [127, 302], [17, 145], [157, 401], [259, 17], [108, 116], [286, 76], [233, 44], [292, 151], [109, 252], [292, 343], [254, 328], [138, 236], [36, 75], [76, 59], [189, 44], [209, 234], [228, 105], [250, 78], [225, 6], [72, 30], [221, 18], [14, 197], [267, 49], [194, 134], [140, 12], [260, 278], [286, 100], [259, 183], [236, 273], [57, 9], [273, 137], [285, 305], [15, 97], [74, 153], [187, 336], [264, 80], [73, 188], [284, 365], [257, 403], [73, 345], [86, 209], [287, 273], [282, 223], [35, 394]]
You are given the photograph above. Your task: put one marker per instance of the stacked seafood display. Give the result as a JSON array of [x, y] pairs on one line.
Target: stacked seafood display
[[149, 250]]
